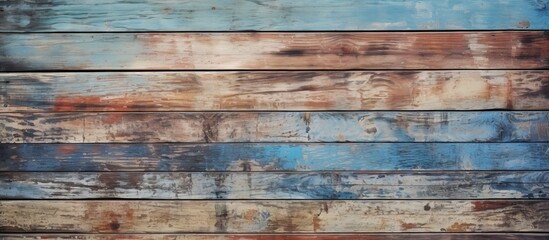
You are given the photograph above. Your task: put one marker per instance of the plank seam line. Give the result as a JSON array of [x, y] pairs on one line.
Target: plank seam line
[[266, 142], [372, 172], [136, 200], [291, 234], [542, 233], [271, 70], [271, 112], [281, 111], [287, 31]]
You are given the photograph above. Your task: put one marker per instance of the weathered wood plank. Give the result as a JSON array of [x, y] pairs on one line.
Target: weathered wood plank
[[173, 15], [301, 90], [336, 50], [274, 157], [365, 236], [494, 126], [273, 216], [327, 185]]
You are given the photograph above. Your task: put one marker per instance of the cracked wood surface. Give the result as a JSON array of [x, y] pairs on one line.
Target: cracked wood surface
[[286, 90], [257, 185], [371, 236], [274, 157], [275, 51], [493, 126], [273, 15], [273, 216]]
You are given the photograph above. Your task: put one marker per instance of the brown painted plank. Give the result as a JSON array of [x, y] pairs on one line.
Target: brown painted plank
[[288, 90], [378, 236], [272, 216], [260, 185], [312, 50], [493, 126]]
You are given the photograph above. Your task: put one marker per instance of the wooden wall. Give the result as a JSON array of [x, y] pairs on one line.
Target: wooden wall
[[274, 120]]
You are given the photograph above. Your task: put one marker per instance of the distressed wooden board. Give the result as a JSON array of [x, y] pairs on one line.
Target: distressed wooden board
[[274, 157], [493, 126], [366, 236], [272, 216], [313, 50], [301, 90], [173, 15], [327, 185]]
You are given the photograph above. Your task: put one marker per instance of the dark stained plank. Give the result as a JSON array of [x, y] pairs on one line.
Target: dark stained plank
[[274, 157], [271, 216], [287, 90], [327, 185], [493, 126], [366, 236], [335, 50], [232, 15]]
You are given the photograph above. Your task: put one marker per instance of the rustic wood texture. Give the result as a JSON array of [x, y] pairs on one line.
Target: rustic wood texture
[[273, 216], [234, 15], [291, 90], [327, 185], [366, 236], [494, 126], [274, 157], [177, 120], [336, 50]]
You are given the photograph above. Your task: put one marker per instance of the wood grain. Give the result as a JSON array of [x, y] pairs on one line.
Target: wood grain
[[286, 90], [366, 236], [274, 157], [493, 126], [273, 216], [232, 15], [326, 185], [305, 50]]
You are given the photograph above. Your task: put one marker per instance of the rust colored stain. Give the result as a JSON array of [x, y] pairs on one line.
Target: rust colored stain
[[461, 227], [112, 118], [316, 223], [66, 149], [94, 103], [490, 205], [307, 118], [250, 214], [68, 104], [129, 214], [408, 226], [108, 219]]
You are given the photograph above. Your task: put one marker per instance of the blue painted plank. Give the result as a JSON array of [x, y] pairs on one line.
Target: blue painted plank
[[201, 127], [274, 15], [274, 157], [313, 185]]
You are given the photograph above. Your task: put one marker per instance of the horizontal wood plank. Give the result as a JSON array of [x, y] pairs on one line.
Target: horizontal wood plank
[[273, 216], [301, 90], [493, 126], [274, 157], [312, 50], [233, 15], [326, 185], [366, 236]]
